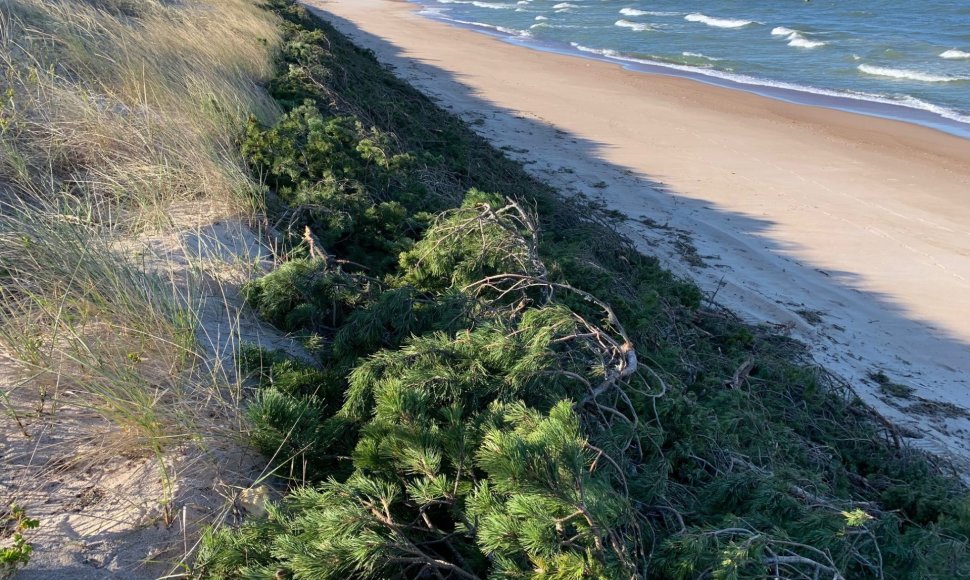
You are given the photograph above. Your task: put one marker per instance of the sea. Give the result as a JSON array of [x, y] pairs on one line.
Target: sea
[[901, 59]]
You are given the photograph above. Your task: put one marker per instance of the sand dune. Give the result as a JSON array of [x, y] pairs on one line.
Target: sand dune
[[851, 233]]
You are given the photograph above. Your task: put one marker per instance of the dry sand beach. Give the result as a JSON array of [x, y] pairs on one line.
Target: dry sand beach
[[850, 233]]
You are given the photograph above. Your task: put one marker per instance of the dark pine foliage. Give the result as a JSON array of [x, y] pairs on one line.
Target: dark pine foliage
[[504, 387]]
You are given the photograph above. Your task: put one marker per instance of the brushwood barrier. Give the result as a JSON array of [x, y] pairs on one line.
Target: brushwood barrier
[[502, 386]]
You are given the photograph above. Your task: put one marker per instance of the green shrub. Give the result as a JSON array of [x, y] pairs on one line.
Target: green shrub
[[292, 415], [16, 550], [305, 156], [483, 237], [340, 181], [396, 315], [523, 394], [306, 294], [291, 376]]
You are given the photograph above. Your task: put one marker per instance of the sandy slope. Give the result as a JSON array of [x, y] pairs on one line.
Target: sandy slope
[[851, 233], [97, 493]]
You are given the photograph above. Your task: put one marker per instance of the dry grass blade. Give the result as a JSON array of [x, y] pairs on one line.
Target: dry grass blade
[[119, 121], [123, 110]]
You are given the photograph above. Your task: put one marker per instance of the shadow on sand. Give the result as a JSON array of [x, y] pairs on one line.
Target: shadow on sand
[[850, 331]]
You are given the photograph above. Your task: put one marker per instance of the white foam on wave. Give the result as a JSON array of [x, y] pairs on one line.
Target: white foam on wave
[[906, 74], [636, 12], [479, 4], [796, 38], [540, 18], [902, 100], [492, 5], [564, 6], [638, 26], [954, 54], [556, 26], [502, 29], [699, 55], [914, 103], [717, 22], [600, 51], [799, 41]]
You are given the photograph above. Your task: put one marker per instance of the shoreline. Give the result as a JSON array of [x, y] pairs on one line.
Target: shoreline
[[843, 231], [953, 122]]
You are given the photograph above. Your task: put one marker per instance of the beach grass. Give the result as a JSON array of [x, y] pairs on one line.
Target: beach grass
[[121, 110], [119, 129], [120, 118]]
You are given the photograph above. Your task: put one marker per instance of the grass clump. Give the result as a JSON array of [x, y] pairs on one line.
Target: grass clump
[[511, 399], [122, 110], [896, 390], [117, 116], [120, 120], [79, 317]]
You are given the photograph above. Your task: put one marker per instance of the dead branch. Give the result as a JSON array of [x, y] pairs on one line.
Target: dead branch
[[741, 374]]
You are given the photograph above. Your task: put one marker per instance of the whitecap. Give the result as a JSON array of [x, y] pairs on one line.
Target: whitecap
[[492, 5], [541, 18], [796, 38], [717, 22], [599, 51], [632, 12], [954, 54], [799, 41], [898, 100], [906, 74], [564, 6], [699, 55], [946, 113], [502, 29], [636, 12], [638, 26]]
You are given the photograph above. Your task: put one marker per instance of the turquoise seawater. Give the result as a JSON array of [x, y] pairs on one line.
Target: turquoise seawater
[[901, 59]]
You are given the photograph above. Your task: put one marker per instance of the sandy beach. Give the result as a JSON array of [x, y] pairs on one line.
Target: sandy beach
[[850, 233]]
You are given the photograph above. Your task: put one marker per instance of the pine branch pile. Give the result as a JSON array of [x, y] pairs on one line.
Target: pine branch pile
[[505, 388]]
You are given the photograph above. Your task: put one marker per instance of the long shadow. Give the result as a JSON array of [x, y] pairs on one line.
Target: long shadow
[[874, 333]]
